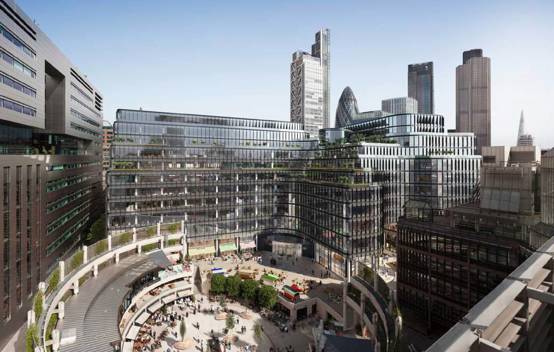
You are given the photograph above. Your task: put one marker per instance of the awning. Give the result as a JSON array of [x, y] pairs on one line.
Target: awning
[[201, 250], [155, 306], [142, 318], [270, 277], [133, 332], [247, 245], [289, 290], [296, 288], [225, 247]]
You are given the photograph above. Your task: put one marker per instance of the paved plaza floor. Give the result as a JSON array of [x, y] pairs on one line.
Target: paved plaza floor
[[291, 269], [202, 325]]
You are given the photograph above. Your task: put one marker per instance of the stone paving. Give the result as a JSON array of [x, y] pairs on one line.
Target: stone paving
[[293, 269], [271, 337]]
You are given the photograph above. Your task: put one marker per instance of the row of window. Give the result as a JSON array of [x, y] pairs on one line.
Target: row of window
[[81, 92], [55, 185], [146, 116], [67, 217], [58, 203], [59, 167], [80, 102], [83, 129], [84, 118], [15, 84], [66, 235], [16, 64], [16, 41], [18, 107]]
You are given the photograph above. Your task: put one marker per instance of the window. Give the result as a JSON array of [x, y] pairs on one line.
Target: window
[[18, 65], [15, 84], [16, 41], [17, 107]]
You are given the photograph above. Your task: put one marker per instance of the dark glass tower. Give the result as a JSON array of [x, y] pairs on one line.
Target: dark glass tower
[[420, 86]]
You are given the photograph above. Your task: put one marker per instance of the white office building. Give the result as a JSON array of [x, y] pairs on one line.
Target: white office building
[[309, 85], [401, 105]]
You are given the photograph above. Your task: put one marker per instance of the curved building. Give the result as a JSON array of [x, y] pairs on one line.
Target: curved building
[[347, 108], [348, 113]]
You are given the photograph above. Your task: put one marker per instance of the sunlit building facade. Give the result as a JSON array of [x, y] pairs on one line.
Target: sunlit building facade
[[232, 179], [50, 160], [309, 85]]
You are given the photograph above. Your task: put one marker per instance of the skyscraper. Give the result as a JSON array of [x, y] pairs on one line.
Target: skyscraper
[[309, 85], [473, 97], [402, 105], [420, 86], [523, 138]]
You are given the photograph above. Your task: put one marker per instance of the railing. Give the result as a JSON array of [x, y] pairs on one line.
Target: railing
[[129, 324], [388, 331], [152, 285], [86, 261]]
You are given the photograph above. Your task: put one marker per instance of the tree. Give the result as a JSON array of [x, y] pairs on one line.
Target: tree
[[183, 330], [230, 322], [267, 297], [232, 286], [248, 289], [97, 231], [218, 284], [258, 331]]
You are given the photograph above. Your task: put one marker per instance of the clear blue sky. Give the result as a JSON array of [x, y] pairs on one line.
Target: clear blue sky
[[232, 57]]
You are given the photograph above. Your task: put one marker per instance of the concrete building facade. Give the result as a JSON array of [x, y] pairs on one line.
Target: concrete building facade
[[50, 159]]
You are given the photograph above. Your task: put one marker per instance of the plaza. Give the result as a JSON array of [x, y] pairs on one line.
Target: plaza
[[133, 294], [205, 317]]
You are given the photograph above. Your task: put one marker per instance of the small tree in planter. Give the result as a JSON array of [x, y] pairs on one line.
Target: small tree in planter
[[230, 322], [183, 330], [218, 284]]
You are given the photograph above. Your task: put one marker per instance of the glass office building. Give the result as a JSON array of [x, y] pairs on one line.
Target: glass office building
[[232, 179]]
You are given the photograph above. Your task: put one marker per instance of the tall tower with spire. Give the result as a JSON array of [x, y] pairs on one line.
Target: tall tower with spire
[[523, 138]]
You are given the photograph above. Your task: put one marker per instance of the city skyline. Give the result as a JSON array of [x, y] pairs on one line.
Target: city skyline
[[168, 155], [497, 29]]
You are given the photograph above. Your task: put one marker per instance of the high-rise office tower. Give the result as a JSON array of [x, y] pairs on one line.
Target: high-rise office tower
[[473, 97], [309, 85], [420, 86], [50, 160], [402, 105], [523, 138]]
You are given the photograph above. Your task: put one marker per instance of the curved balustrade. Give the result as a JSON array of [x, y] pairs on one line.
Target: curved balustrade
[[150, 307], [156, 284], [386, 330], [80, 265]]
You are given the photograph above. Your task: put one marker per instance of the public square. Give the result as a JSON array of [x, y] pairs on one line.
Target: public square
[[206, 319]]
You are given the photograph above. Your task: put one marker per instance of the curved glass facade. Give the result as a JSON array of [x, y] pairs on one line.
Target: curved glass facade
[[232, 178], [347, 108]]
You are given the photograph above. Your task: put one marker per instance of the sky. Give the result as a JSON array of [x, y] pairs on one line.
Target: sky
[[232, 58]]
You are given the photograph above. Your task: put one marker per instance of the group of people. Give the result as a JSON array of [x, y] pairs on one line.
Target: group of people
[[288, 348], [150, 340]]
